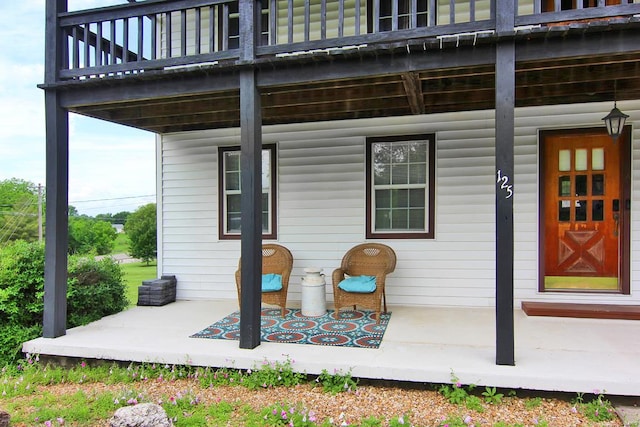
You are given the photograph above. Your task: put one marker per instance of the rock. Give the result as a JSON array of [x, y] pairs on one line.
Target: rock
[[4, 419], [140, 415]]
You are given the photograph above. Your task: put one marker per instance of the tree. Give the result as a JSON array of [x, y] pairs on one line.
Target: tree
[[88, 235], [18, 210], [141, 230]]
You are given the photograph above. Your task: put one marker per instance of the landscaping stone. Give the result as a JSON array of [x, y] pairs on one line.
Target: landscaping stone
[[4, 419], [141, 415]]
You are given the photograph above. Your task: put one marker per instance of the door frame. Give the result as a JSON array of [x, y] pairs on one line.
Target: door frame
[[625, 211]]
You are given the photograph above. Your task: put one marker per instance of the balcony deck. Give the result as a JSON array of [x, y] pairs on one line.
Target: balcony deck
[[341, 62], [421, 344]]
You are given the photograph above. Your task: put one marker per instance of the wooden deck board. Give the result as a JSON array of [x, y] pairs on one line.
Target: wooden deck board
[[592, 311]]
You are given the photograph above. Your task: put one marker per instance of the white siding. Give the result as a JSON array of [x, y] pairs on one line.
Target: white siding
[[321, 200]]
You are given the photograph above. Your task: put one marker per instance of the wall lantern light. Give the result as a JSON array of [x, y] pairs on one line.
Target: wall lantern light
[[615, 120]]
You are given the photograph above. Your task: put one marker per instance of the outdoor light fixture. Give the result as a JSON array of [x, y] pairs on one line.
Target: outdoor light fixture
[[615, 119]]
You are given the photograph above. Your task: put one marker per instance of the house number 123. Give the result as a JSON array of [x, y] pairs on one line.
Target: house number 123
[[503, 180]]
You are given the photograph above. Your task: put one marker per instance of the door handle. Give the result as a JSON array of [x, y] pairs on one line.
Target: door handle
[[616, 218]]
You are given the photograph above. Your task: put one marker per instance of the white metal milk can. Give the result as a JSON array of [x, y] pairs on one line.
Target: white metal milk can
[[314, 300]]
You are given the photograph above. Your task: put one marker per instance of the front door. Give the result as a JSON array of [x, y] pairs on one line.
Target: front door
[[584, 211]]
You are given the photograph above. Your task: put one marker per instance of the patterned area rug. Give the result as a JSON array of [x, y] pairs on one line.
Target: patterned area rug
[[353, 328]]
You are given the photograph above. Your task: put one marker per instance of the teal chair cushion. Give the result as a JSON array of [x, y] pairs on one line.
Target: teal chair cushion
[[359, 284], [271, 282]]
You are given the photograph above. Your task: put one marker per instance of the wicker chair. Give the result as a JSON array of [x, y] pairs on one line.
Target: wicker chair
[[276, 259], [370, 259]]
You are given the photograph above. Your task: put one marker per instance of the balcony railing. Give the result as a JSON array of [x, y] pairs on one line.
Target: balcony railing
[[158, 34]]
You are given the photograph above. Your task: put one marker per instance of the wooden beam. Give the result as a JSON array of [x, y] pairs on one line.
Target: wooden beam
[[413, 89], [504, 122], [251, 178], [57, 183]]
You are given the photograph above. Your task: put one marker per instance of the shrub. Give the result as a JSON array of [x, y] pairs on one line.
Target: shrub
[[95, 289]]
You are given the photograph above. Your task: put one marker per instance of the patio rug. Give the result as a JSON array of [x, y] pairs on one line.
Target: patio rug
[[355, 328]]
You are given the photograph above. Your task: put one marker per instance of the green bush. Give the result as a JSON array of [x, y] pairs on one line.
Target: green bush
[[95, 289]]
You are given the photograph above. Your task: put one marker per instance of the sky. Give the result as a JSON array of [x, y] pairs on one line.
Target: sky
[[111, 167]]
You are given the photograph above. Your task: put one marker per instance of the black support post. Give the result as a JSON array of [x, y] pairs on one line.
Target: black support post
[[251, 176], [57, 182], [504, 122]]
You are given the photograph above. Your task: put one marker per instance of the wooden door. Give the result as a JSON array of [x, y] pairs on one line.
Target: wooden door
[[585, 211]]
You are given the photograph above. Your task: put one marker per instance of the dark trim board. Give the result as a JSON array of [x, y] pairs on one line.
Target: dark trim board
[[590, 311]]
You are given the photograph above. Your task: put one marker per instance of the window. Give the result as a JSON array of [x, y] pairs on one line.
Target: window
[[401, 187], [404, 14], [230, 189]]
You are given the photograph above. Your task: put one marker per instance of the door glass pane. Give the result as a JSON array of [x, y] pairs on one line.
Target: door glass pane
[[598, 210], [597, 159], [581, 159], [597, 184], [564, 186], [581, 185], [581, 210], [564, 210], [564, 161]]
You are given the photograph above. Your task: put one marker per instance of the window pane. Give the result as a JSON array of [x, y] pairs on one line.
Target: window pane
[[564, 210], [400, 174], [418, 152], [400, 198], [417, 198], [416, 219], [597, 185], [581, 210], [399, 220], [564, 162], [233, 202], [581, 185], [564, 186], [581, 159], [383, 199], [231, 161], [381, 174], [232, 181], [381, 164], [598, 210], [266, 170], [383, 219], [233, 213], [597, 159], [417, 173]]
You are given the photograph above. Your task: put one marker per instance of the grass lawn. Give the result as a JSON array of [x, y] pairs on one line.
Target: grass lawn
[[121, 244], [134, 274]]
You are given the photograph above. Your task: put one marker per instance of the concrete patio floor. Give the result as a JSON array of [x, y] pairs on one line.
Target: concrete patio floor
[[421, 344]]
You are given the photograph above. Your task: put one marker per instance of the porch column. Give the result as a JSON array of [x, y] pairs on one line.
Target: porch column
[[251, 177], [504, 122], [57, 182]]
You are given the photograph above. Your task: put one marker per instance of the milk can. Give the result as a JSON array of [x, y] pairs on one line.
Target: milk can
[[314, 300]]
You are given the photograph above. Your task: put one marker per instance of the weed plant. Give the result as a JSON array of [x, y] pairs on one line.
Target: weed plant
[[29, 405]]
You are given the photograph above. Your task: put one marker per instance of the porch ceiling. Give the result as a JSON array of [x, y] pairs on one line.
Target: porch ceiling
[[400, 80]]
